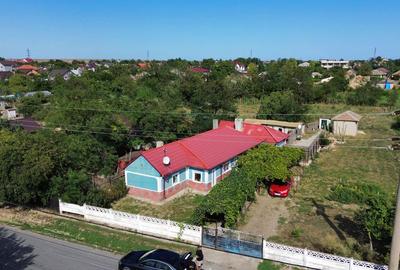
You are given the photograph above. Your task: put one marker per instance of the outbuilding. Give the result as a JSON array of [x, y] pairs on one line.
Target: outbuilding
[[346, 123]]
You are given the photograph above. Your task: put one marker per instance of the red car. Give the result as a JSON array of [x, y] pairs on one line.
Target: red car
[[280, 188]]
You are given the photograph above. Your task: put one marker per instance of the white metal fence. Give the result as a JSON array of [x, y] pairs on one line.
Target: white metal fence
[[193, 234], [147, 225]]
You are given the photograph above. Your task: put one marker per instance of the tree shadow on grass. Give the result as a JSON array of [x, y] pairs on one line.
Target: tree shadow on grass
[[321, 212], [351, 228], [13, 253]]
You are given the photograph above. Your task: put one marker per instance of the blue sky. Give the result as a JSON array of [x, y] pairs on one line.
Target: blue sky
[[193, 29]]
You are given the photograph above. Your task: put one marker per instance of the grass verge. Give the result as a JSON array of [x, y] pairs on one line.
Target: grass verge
[[89, 234]]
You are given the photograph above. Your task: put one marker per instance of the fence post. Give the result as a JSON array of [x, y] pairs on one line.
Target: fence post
[[59, 206], [84, 211], [305, 257], [351, 264]]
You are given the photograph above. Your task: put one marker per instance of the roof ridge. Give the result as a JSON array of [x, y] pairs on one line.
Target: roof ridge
[[191, 152]]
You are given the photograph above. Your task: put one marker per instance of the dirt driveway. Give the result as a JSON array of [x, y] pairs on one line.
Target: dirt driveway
[[264, 216]]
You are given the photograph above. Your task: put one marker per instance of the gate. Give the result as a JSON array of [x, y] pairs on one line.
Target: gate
[[233, 241]]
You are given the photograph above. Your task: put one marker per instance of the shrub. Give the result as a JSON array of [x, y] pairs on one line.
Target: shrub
[[268, 265], [358, 193], [296, 232]]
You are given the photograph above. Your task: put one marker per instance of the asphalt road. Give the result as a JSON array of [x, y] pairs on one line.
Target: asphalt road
[[25, 250]]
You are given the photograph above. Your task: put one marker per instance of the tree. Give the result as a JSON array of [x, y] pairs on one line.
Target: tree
[[365, 95], [281, 106], [377, 219]]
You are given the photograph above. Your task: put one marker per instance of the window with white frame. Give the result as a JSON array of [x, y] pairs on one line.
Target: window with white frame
[[225, 167], [197, 177], [175, 179]]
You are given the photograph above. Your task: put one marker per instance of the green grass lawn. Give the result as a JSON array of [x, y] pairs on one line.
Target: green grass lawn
[[179, 209], [318, 223]]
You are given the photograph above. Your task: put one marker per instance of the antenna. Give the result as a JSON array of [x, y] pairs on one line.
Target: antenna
[[251, 53], [147, 55], [166, 160], [28, 53], [374, 52]]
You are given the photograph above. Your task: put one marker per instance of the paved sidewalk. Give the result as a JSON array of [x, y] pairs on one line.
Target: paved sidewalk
[[218, 260]]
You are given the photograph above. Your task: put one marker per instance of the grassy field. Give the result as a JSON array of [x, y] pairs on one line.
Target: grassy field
[[84, 233], [317, 223], [179, 209]]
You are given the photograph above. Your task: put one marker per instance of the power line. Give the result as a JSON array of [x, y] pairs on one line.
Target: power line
[[203, 113]]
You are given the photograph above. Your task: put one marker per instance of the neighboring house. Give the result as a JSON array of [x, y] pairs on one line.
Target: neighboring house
[[77, 71], [7, 66], [91, 66], [328, 63], [325, 80], [358, 81], [241, 68], [380, 72], [304, 64], [26, 60], [28, 69], [31, 94], [143, 65], [5, 75], [396, 75], [10, 114], [282, 126], [201, 70], [3, 105], [387, 84], [351, 73], [62, 72], [197, 163], [28, 124], [316, 75], [346, 124]]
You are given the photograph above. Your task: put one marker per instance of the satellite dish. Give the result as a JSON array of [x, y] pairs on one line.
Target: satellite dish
[[166, 161]]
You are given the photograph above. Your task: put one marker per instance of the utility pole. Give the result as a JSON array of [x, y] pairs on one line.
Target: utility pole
[[395, 247]]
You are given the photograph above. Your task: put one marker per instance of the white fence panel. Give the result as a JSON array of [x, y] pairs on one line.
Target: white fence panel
[[142, 224], [70, 208], [314, 259]]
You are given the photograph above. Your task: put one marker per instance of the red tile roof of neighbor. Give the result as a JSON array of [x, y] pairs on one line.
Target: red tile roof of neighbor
[[200, 70], [267, 134], [27, 67], [209, 149]]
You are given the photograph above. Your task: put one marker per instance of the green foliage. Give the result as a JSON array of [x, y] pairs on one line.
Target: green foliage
[[377, 218], [278, 104], [29, 105], [365, 95], [297, 232], [268, 265], [226, 199], [359, 193]]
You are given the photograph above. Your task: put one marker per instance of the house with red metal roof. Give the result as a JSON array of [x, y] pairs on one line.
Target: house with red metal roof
[[198, 162]]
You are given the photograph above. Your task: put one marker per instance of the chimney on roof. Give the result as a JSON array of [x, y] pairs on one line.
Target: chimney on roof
[[239, 124], [215, 123], [159, 144]]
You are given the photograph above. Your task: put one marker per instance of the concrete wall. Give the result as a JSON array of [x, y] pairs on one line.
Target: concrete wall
[[345, 128]]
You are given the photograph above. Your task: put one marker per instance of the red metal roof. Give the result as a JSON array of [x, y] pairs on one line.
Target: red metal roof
[[200, 70], [204, 151], [267, 134], [27, 67]]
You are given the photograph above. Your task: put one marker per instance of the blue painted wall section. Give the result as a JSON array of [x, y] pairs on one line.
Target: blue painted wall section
[[141, 181], [142, 166]]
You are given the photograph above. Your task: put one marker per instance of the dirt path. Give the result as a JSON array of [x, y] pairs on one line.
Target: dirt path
[[264, 216]]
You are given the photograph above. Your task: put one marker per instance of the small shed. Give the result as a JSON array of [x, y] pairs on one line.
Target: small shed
[[346, 123]]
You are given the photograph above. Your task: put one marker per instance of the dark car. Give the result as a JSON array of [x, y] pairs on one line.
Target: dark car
[[280, 188], [156, 259]]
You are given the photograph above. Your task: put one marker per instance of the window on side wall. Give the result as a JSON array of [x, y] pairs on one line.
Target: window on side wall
[[175, 179], [225, 167], [197, 177]]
